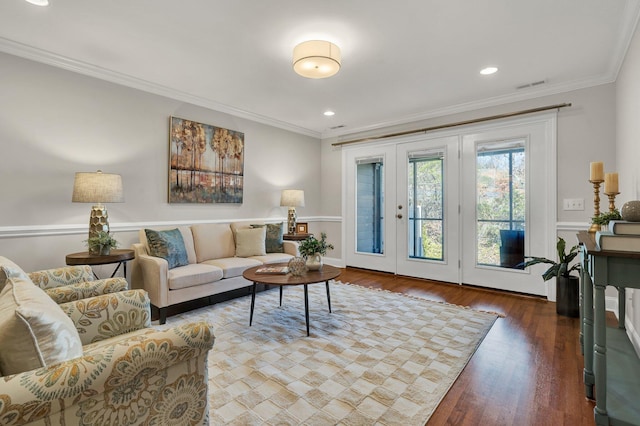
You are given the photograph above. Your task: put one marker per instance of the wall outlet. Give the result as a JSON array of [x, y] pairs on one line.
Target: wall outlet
[[573, 204]]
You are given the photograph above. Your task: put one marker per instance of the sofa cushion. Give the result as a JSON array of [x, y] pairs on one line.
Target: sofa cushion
[[234, 266], [187, 238], [213, 241], [168, 245], [273, 242], [250, 242], [273, 258], [192, 275], [34, 330]]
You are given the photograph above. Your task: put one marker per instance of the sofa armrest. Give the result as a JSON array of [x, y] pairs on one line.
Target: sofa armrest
[[101, 317], [51, 278], [72, 292], [291, 247], [153, 366], [155, 278]]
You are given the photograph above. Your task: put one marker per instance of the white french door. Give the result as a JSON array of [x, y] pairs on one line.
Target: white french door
[[457, 206]]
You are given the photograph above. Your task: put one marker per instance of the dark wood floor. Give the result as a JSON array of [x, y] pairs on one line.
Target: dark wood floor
[[527, 371]]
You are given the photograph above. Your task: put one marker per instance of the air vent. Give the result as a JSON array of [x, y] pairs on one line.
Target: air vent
[[337, 127], [535, 83]]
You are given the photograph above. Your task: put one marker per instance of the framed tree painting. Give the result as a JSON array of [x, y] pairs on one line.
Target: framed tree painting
[[206, 163]]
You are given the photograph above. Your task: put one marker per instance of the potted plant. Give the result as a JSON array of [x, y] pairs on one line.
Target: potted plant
[[567, 285], [101, 243], [313, 249], [603, 218]]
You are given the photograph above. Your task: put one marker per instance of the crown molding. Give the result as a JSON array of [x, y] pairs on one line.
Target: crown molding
[[38, 55]]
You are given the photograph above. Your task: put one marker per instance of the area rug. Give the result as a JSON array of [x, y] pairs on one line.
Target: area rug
[[379, 358]]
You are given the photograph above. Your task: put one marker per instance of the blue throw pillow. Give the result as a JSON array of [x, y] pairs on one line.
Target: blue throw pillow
[[168, 245]]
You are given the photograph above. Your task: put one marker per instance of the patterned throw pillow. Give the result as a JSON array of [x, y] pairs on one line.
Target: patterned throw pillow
[[273, 240], [168, 245], [34, 330]]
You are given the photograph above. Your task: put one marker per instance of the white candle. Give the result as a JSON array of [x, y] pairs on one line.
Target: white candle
[[610, 183], [597, 171]]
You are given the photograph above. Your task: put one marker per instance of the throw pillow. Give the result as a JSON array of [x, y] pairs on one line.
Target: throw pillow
[[168, 245], [34, 330], [250, 242], [273, 239], [9, 269]]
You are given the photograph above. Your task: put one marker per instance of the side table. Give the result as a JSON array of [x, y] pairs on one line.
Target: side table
[[296, 237], [119, 256]]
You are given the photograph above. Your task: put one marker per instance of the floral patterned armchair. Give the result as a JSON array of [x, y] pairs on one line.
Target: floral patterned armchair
[[125, 372]]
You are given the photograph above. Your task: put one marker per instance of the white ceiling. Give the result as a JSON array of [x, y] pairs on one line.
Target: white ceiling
[[401, 61]]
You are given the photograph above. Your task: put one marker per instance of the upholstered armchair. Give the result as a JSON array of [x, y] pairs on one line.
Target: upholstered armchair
[[95, 360]]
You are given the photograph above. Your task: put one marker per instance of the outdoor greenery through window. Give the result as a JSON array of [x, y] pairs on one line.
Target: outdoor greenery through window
[[501, 206], [426, 205]]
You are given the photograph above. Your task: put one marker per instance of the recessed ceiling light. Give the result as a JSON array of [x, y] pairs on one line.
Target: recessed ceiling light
[[488, 70], [39, 2], [329, 113]]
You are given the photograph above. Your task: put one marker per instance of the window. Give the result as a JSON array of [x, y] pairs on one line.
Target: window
[[426, 205], [369, 202], [501, 203]]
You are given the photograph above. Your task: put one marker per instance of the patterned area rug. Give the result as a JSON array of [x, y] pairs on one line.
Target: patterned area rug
[[379, 358]]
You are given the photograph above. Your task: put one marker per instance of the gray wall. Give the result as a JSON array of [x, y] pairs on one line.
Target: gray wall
[[55, 123], [628, 146]]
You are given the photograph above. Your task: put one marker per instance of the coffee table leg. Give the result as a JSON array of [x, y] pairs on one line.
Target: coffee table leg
[[253, 302], [328, 297], [306, 307], [280, 295]]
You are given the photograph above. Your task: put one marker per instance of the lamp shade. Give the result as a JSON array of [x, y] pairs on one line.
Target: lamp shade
[[292, 198], [316, 59], [98, 187]]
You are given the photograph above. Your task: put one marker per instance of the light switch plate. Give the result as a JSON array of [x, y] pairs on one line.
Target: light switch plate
[[573, 204]]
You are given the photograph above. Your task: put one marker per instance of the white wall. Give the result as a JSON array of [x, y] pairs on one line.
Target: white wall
[[55, 123], [628, 147]]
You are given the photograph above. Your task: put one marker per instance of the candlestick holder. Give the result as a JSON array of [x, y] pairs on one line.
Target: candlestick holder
[[612, 200], [596, 203]]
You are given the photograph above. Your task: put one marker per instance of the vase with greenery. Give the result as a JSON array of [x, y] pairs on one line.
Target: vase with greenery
[[312, 249], [567, 285], [101, 243], [603, 218]]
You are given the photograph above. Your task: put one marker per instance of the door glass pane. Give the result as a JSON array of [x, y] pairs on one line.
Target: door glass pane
[[369, 202], [425, 209], [500, 202]]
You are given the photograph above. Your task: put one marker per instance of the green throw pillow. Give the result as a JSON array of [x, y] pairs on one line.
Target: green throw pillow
[[273, 240], [168, 245]]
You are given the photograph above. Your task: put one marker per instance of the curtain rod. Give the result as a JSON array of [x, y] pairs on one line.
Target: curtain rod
[[458, 123]]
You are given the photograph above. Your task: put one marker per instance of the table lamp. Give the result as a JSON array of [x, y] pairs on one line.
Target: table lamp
[[292, 198], [98, 187]]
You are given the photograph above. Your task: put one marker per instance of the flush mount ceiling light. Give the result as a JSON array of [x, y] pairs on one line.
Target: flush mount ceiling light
[[39, 2], [316, 59], [329, 113], [488, 70]]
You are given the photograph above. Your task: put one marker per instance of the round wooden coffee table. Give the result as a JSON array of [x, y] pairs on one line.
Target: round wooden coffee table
[[326, 274]]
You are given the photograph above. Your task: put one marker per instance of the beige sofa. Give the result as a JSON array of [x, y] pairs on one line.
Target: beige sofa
[[217, 255]]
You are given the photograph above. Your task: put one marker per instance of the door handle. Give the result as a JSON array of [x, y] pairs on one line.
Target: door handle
[[399, 216]]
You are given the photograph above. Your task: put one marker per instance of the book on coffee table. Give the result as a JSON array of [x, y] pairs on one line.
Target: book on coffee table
[[274, 270]]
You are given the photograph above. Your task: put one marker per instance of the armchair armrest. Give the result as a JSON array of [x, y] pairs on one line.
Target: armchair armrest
[[112, 386], [50, 278], [83, 290], [101, 317]]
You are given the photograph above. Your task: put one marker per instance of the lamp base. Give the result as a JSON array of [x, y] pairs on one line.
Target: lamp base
[[98, 221], [291, 221]]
